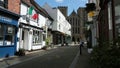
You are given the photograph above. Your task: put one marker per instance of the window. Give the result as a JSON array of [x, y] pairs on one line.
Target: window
[[78, 22], [44, 37], [1, 0], [23, 34], [73, 30], [37, 37], [4, 3], [59, 17], [78, 30], [7, 35], [59, 27], [1, 34]]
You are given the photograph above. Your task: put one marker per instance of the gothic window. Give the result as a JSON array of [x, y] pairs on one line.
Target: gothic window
[[76, 30], [73, 39]]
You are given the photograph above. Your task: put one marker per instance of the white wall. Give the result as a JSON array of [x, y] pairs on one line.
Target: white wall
[[50, 11], [60, 23], [117, 14], [41, 22], [24, 11]]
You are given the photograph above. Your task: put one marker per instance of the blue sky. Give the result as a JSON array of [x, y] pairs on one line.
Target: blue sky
[[72, 4]]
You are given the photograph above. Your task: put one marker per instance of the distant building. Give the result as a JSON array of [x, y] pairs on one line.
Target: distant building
[[64, 10], [77, 21], [61, 27]]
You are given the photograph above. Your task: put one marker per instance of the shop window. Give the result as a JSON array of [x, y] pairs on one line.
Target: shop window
[[44, 37], [9, 35], [1, 34], [37, 37]]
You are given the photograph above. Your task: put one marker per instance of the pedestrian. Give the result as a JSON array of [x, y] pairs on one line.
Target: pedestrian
[[80, 47]]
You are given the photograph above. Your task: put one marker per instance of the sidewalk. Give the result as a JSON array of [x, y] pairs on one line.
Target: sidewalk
[[5, 62], [84, 60]]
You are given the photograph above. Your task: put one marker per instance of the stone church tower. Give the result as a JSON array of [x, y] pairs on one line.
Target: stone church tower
[[77, 21]]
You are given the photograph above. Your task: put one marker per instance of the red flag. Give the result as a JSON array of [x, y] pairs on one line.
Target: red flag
[[35, 16]]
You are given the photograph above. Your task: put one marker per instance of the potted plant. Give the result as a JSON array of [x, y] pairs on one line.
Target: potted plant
[[47, 41]]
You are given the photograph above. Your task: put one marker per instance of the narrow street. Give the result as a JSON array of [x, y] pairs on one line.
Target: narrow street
[[63, 57]]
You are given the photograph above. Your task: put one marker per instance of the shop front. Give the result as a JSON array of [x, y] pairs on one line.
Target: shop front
[[8, 32], [31, 37]]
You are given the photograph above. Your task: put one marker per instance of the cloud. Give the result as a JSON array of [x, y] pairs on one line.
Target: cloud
[[59, 1]]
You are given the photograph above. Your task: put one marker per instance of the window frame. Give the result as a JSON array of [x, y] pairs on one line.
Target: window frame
[[37, 37], [8, 38]]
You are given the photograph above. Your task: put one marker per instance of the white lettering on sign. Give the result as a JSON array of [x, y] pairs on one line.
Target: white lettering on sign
[[6, 19]]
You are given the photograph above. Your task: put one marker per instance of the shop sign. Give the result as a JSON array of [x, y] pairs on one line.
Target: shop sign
[[6, 19]]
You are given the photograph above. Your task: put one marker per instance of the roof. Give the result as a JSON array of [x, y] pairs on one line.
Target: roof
[[9, 12], [40, 9], [27, 2], [73, 13], [36, 7]]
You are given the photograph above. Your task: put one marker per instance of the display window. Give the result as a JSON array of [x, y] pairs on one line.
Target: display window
[[37, 37], [1, 34], [7, 35]]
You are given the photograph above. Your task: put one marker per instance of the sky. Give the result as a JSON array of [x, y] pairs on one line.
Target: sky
[[72, 4]]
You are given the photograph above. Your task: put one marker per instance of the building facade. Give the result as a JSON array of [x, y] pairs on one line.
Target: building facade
[[33, 24], [61, 27], [106, 20], [33, 32], [116, 14], [8, 30], [64, 10], [77, 21]]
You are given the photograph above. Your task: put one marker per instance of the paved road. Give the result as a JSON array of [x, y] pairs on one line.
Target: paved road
[[59, 58]]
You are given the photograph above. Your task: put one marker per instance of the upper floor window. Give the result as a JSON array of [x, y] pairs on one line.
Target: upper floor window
[[59, 17], [2, 0], [4, 3]]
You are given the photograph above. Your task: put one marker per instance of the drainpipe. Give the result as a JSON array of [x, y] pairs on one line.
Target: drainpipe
[[113, 20]]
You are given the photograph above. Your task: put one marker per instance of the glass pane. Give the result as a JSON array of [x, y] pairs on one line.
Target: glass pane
[[44, 37], [1, 34], [10, 35], [10, 30]]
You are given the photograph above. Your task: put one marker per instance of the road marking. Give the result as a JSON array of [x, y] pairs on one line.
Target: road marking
[[73, 64]]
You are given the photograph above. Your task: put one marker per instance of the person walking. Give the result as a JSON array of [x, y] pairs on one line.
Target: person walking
[[80, 47]]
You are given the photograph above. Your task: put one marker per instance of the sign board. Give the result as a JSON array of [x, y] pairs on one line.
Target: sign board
[[6, 19]]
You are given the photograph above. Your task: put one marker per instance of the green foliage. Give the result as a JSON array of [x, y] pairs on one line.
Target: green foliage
[[106, 56], [47, 41]]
